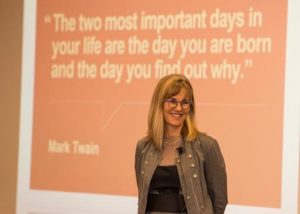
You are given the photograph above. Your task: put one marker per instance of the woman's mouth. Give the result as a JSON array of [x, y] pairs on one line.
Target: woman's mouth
[[176, 115]]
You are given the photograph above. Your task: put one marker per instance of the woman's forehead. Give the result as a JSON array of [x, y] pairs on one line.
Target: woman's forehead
[[180, 91]]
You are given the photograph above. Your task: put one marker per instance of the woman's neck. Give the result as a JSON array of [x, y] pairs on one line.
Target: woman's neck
[[172, 131]]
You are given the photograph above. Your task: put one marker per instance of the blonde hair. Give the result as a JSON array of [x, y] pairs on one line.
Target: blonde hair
[[167, 87]]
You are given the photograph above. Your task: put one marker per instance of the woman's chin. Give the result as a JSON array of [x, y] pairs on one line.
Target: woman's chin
[[175, 124]]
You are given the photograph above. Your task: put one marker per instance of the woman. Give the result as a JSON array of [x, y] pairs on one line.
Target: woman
[[178, 169]]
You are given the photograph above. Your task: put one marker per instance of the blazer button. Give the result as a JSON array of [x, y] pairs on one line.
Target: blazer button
[[146, 162], [143, 172], [189, 156], [188, 197], [178, 160], [193, 165], [195, 175]]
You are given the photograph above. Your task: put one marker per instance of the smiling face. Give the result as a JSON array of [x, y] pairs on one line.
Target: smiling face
[[175, 117]]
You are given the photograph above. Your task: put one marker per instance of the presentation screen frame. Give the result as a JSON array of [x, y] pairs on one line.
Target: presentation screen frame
[[36, 201]]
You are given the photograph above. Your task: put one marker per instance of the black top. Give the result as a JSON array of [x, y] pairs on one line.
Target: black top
[[165, 191], [165, 180]]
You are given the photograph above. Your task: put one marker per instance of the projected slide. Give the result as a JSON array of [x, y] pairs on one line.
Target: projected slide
[[96, 64]]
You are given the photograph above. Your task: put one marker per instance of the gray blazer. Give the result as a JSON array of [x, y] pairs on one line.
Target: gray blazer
[[201, 170]]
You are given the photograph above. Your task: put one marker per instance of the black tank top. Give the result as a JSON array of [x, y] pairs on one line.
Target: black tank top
[[165, 191], [165, 180]]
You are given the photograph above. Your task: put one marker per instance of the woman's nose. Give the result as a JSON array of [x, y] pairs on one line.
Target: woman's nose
[[178, 107]]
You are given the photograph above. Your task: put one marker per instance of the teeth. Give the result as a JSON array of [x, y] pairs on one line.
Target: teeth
[[176, 115]]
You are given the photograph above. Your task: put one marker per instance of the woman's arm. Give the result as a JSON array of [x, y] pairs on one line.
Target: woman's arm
[[216, 178]]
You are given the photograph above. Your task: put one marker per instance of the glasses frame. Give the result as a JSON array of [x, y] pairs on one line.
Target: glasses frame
[[173, 103]]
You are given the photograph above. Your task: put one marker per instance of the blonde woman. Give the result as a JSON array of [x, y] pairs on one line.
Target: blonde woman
[[178, 169]]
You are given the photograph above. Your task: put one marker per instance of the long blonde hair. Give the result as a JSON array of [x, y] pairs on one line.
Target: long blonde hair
[[167, 87]]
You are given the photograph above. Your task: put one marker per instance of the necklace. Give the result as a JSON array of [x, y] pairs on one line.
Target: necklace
[[171, 141]]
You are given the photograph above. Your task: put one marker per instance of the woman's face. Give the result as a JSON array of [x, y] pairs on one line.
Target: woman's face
[[175, 116]]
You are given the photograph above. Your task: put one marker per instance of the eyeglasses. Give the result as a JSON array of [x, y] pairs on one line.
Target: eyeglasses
[[185, 104]]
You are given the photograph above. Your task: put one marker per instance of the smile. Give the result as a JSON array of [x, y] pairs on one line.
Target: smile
[[177, 115]]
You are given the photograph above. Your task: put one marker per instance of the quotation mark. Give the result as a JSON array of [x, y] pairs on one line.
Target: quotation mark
[[248, 64], [47, 19]]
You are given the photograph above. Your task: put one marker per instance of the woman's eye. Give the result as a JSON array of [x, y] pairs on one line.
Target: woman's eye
[[173, 101], [185, 102]]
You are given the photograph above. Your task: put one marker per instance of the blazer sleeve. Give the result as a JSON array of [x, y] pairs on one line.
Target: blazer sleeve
[[215, 174], [137, 162]]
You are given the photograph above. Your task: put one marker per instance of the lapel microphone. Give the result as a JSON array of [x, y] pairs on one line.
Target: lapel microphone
[[180, 150]]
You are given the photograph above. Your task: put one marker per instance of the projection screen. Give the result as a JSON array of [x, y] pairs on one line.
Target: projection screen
[[88, 72]]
